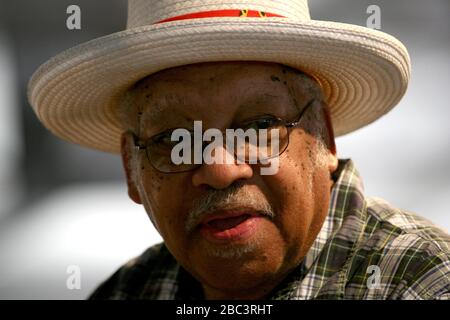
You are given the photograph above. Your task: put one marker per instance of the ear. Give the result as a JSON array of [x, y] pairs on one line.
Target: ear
[[333, 162], [330, 142], [128, 152]]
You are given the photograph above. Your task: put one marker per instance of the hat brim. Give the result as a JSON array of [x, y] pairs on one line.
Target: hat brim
[[363, 72]]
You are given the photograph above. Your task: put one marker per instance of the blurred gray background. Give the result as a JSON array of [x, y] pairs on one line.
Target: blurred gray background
[[62, 205]]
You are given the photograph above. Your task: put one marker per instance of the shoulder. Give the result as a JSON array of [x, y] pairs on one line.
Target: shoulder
[[411, 253], [404, 228], [138, 278]]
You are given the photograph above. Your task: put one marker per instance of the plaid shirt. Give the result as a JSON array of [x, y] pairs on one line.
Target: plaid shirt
[[366, 249]]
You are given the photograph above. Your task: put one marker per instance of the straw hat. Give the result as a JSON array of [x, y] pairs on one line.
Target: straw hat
[[363, 72]]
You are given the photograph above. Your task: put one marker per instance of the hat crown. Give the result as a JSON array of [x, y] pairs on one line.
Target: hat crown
[[147, 12]]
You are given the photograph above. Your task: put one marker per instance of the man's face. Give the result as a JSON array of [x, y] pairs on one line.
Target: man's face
[[237, 231]]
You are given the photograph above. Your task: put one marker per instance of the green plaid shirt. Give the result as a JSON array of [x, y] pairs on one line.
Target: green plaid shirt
[[366, 249]]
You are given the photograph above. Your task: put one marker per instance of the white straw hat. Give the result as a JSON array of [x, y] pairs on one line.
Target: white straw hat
[[363, 72]]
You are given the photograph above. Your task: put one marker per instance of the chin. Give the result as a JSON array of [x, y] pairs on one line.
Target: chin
[[238, 276], [238, 266]]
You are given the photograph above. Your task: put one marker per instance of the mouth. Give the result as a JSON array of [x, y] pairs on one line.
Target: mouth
[[230, 226]]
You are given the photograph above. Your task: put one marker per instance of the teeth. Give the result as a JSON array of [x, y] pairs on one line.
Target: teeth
[[228, 223]]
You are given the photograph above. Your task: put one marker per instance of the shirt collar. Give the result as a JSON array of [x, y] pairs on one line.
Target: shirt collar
[[346, 177], [346, 219]]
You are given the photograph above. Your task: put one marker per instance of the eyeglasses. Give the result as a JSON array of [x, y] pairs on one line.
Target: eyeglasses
[[158, 149]]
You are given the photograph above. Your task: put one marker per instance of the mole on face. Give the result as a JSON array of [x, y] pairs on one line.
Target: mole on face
[[310, 155], [275, 78], [156, 183]]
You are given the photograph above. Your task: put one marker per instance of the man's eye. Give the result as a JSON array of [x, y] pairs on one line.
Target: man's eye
[[262, 123], [165, 140]]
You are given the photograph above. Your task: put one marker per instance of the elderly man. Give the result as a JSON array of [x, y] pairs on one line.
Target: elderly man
[[232, 230]]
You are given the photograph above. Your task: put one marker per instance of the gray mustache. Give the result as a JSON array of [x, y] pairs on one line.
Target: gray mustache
[[235, 196]]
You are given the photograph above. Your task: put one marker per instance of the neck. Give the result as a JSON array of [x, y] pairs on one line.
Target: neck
[[244, 294], [260, 292]]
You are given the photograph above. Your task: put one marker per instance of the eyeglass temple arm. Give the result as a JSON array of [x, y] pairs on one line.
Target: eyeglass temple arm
[[294, 123], [137, 143]]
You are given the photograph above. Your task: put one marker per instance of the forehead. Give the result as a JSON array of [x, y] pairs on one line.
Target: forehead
[[200, 78], [213, 71], [219, 86]]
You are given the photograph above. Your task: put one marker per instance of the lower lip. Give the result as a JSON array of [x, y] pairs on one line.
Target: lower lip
[[242, 231]]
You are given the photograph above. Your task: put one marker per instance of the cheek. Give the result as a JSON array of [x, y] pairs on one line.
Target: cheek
[[163, 201], [295, 173], [297, 186]]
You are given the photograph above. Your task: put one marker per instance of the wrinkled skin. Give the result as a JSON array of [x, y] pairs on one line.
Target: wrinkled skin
[[221, 94]]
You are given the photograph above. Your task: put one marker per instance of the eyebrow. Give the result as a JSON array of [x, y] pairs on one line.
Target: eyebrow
[[158, 109], [263, 98]]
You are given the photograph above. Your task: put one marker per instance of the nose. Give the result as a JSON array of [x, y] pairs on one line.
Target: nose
[[221, 175]]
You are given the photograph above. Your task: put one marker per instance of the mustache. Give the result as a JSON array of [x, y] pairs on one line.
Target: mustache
[[233, 197]]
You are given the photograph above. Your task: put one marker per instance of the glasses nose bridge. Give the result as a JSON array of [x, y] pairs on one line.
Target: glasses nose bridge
[[248, 149], [218, 153], [228, 156]]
